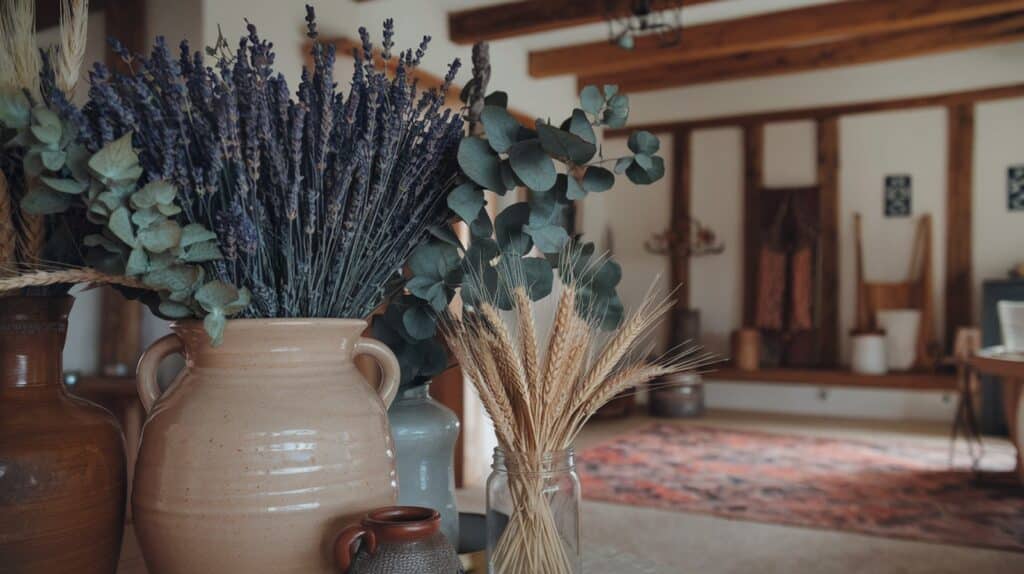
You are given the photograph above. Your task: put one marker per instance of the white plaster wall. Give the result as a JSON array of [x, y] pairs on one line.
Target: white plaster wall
[[998, 233], [790, 154], [716, 180], [870, 147], [620, 220]]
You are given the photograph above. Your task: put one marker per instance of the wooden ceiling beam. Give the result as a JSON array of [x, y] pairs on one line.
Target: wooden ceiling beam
[[824, 112], [527, 17], [859, 50], [767, 31]]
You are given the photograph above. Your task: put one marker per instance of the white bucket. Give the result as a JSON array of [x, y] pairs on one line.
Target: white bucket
[[901, 328], [1011, 321], [867, 353]]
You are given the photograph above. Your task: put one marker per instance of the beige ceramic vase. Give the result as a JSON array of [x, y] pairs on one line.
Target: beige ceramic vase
[[263, 448]]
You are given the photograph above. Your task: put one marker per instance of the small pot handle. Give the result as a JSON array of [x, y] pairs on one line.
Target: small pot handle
[[145, 374], [345, 546], [388, 363]]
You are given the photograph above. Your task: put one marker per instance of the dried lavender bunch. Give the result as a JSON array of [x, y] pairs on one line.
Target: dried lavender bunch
[[317, 200]]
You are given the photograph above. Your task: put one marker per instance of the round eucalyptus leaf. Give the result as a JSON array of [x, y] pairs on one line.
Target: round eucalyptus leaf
[[615, 119], [501, 128], [607, 277], [565, 146], [466, 201], [539, 277], [574, 190], [138, 262], [116, 161], [580, 126], [508, 176], [15, 110], [41, 200], [216, 294], [419, 322], [499, 99], [508, 228], [433, 260], [643, 142], [622, 164], [195, 233], [172, 310], [53, 160], [446, 234], [640, 176], [481, 252], [64, 185], [161, 236], [591, 99], [548, 238], [643, 160], [482, 225], [610, 90], [598, 179], [614, 313], [531, 165], [480, 163], [120, 225]]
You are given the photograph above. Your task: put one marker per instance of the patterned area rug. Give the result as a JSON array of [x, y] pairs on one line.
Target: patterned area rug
[[885, 490]]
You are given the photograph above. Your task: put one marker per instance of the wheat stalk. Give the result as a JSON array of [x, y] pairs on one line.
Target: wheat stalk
[[74, 21], [8, 236], [32, 237], [19, 60], [64, 277], [539, 405]]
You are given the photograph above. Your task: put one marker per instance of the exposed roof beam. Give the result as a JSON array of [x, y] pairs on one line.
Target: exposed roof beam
[[519, 18], [821, 112], [767, 31], [858, 50]]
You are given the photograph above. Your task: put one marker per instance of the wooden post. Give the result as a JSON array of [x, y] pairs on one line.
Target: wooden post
[[828, 201], [753, 160], [680, 227], [960, 163]]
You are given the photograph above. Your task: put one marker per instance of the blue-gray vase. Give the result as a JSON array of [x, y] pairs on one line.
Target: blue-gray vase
[[424, 432]]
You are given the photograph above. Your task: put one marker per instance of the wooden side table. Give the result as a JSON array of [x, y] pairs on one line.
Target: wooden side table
[[1009, 366]]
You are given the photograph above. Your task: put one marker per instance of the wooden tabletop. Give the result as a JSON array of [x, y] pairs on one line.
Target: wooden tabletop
[[600, 553], [997, 361]]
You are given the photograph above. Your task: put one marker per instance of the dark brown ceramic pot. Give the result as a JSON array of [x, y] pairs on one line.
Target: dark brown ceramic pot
[[62, 460], [397, 540]]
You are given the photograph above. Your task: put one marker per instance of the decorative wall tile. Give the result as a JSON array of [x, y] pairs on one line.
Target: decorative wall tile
[[897, 196], [1015, 188]]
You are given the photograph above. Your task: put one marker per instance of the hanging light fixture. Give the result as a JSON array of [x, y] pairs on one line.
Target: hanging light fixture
[[664, 26]]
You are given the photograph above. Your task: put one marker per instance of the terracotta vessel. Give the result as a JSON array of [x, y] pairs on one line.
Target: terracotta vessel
[[62, 460], [262, 448], [397, 540]]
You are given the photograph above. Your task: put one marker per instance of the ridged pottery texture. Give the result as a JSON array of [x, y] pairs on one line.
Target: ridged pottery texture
[[263, 448], [62, 461]]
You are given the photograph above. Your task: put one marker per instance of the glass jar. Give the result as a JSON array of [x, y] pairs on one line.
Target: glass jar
[[533, 514]]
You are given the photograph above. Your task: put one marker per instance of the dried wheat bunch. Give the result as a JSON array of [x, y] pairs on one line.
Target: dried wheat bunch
[[8, 236], [539, 393], [19, 58], [15, 279], [69, 56]]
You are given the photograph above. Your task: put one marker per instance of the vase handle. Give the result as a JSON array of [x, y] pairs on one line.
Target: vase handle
[[145, 374], [388, 363], [345, 547]]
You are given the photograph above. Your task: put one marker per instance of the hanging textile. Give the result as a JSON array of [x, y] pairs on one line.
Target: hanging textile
[[771, 288], [801, 289]]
